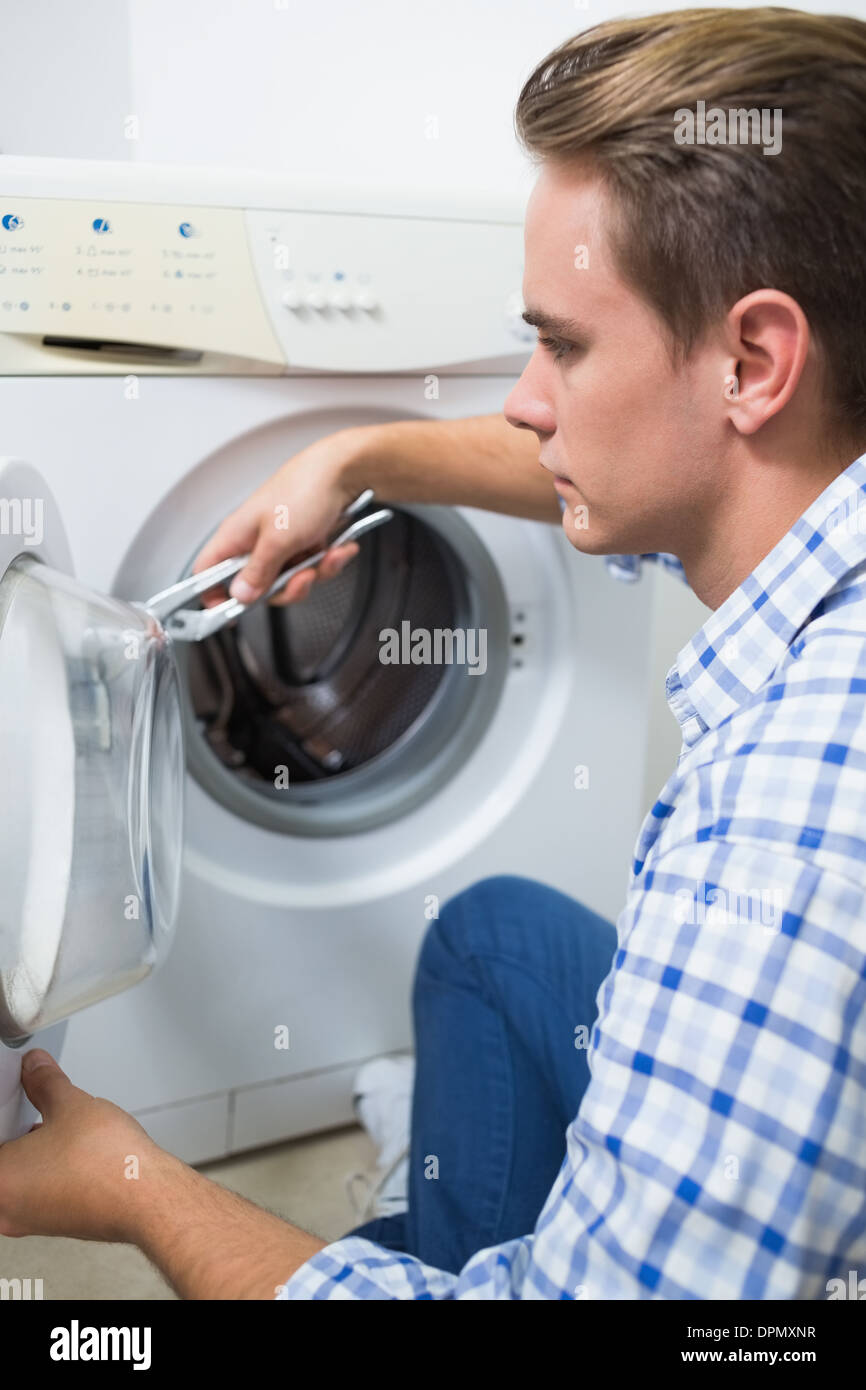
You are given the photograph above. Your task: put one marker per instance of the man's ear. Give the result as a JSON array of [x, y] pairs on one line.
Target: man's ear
[[767, 336]]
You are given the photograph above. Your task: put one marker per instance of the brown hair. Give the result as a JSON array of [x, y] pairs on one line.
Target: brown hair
[[697, 226]]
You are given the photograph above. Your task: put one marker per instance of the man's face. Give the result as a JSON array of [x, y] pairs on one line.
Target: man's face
[[629, 437]]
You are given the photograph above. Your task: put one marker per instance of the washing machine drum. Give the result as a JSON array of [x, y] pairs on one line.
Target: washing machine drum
[[300, 723]]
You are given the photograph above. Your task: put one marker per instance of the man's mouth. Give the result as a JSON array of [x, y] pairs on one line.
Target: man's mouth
[[558, 479]]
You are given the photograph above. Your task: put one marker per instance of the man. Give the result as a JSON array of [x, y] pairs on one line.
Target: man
[[699, 388]]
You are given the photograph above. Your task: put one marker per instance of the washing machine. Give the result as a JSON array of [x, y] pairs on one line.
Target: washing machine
[[169, 337]]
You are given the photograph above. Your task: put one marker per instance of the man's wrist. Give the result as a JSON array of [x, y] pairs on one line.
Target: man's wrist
[[359, 465], [156, 1196], [207, 1241]]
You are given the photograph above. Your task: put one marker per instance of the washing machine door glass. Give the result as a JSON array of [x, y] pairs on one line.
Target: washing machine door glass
[[91, 751]]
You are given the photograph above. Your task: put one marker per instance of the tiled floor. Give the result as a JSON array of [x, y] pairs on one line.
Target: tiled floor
[[302, 1180]]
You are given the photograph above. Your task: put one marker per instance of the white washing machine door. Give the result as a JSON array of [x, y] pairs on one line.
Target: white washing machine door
[[91, 796]]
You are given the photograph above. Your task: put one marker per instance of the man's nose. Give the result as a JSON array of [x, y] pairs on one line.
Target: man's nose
[[527, 407]]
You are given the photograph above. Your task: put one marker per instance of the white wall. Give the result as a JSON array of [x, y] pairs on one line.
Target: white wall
[[65, 78], [331, 86], [374, 89]]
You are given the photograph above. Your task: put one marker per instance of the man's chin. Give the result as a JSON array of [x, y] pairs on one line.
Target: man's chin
[[580, 532]]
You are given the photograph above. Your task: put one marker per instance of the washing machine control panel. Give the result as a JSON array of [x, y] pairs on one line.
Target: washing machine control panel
[[385, 293], [144, 273], [321, 291]]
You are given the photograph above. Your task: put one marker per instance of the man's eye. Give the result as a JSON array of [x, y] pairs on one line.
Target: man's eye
[[556, 346]]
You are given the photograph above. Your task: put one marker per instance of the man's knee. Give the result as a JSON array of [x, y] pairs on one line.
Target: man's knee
[[476, 918]]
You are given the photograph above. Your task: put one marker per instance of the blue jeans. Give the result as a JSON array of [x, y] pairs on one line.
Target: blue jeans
[[504, 1002]]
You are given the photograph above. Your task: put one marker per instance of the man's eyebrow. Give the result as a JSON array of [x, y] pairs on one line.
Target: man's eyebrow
[[552, 323]]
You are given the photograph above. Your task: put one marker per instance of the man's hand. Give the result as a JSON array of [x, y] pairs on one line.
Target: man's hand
[[290, 515], [83, 1171], [476, 462], [89, 1170]]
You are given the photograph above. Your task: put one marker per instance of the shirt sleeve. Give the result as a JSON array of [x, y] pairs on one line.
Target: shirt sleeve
[[718, 1149], [354, 1268]]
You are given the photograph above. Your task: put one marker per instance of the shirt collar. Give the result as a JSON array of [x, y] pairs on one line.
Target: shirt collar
[[742, 643]]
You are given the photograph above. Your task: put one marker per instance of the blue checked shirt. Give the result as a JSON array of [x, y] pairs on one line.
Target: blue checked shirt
[[720, 1148]]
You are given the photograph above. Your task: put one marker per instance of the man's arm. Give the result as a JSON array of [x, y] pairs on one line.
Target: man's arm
[[90, 1171], [209, 1243], [481, 461]]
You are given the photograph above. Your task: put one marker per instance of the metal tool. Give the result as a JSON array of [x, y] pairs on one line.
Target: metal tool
[[194, 625]]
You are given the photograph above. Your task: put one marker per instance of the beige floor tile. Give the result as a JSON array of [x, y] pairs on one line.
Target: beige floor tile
[[302, 1180]]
